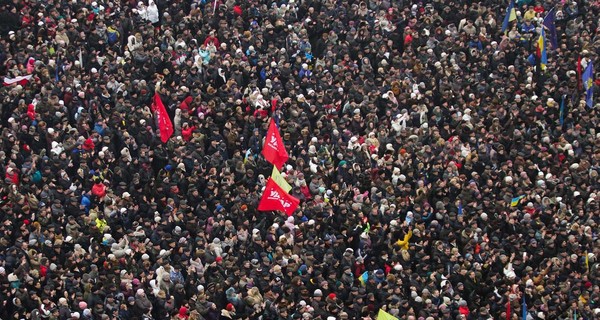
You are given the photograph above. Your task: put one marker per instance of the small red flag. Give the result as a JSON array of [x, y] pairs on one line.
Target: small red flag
[[162, 119], [274, 149], [276, 199], [508, 314]]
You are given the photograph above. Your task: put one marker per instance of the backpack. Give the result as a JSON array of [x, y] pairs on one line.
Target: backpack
[[36, 176]]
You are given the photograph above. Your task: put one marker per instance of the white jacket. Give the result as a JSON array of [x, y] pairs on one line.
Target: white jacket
[[152, 12], [133, 44]]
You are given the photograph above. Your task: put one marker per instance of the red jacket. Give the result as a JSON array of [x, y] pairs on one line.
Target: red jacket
[[213, 40], [13, 176], [99, 190], [187, 133], [464, 310]]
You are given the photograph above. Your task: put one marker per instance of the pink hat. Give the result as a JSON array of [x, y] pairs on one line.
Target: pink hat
[[82, 305]]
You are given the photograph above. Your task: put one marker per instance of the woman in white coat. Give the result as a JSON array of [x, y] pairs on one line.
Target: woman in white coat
[[152, 12]]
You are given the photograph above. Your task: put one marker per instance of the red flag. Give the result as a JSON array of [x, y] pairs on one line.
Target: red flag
[[162, 119], [275, 198], [508, 314], [274, 149]]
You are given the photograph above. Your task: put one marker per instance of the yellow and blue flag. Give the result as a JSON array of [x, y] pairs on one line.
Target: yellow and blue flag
[[541, 50], [515, 201], [364, 278], [511, 15], [588, 83], [280, 180]]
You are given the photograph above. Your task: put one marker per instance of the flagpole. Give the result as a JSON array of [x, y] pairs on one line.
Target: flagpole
[[524, 308], [80, 58], [562, 111]]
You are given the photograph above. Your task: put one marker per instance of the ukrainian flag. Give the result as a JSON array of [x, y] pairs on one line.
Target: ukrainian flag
[[541, 50], [515, 201], [364, 278], [511, 15]]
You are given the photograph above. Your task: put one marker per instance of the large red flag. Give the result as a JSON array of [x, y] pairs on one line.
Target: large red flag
[[162, 118], [275, 198], [274, 149]]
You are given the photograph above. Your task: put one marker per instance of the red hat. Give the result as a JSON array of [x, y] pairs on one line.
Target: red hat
[[331, 296], [218, 259], [26, 222], [237, 10], [229, 306], [183, 313], [88, 144]]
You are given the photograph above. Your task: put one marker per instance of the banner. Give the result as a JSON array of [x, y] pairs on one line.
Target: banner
[[22, 80], [274, 198]]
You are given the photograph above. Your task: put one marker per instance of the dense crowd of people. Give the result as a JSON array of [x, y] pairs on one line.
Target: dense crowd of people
[[441, 173]]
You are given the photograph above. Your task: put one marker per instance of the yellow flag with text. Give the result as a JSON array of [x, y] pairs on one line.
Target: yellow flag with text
[[280, 180]]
